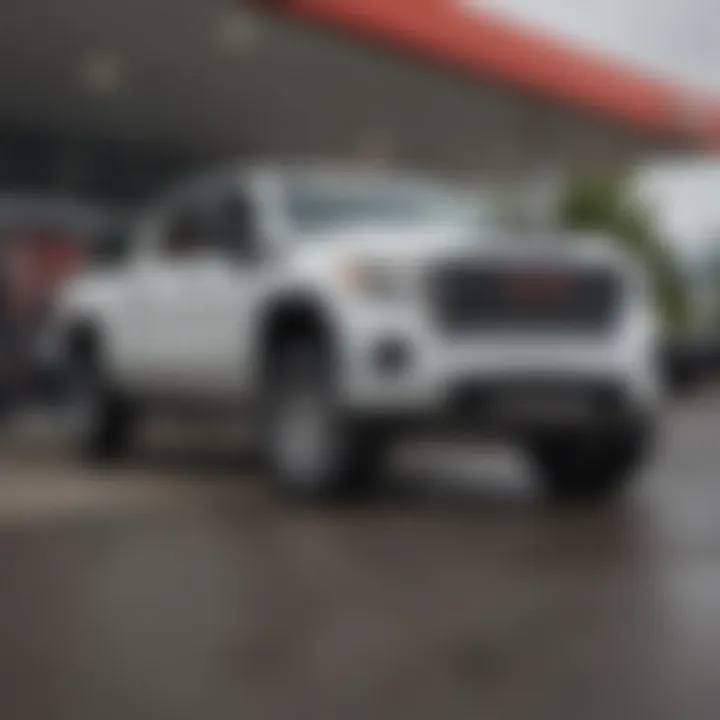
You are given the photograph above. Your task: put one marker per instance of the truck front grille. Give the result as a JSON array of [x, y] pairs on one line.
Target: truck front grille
[[469, 299]]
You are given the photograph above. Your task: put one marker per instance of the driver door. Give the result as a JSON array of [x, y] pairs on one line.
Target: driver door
[[211, 281]]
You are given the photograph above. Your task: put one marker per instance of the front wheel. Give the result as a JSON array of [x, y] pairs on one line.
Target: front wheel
[[590, 468], [312, 449]]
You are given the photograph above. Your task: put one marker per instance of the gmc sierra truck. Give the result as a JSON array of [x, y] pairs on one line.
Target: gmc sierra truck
[[343, 310]]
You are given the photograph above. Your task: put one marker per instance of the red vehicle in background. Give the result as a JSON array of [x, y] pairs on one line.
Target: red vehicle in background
[[43, 243]]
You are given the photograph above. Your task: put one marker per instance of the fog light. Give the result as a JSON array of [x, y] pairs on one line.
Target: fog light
[[392, 357]]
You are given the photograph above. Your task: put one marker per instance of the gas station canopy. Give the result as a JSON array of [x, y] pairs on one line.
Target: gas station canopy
[[433, 84]]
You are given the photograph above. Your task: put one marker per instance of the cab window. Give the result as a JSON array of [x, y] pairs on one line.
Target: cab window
[[223, 223]]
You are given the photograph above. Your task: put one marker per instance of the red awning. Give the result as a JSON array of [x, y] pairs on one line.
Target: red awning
[[454, 33]]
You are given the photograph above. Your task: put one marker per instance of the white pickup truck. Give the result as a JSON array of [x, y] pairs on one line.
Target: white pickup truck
[[345, 310]]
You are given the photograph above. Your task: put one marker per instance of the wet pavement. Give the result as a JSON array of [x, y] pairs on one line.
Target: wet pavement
[[176, 586]]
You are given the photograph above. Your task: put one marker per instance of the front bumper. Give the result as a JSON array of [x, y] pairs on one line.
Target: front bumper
[[518, 407], [432, 377]]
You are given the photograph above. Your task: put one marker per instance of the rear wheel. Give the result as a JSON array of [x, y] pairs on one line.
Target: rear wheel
[[313, 450], [589, 468], [99, 419]]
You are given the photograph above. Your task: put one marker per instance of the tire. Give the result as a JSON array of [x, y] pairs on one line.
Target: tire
[[312, 450], [590, 469], [684, 380], [683, 371], [100, 420]]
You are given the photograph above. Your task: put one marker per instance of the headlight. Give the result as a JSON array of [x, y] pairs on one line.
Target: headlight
[[377, 280]]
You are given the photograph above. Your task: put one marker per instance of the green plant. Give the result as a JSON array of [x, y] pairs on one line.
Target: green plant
[[609, 203]]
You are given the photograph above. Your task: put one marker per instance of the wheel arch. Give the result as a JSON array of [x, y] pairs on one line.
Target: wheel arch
[[295, 314]]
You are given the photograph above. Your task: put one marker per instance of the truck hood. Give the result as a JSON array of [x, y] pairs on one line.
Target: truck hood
[[426, 245]]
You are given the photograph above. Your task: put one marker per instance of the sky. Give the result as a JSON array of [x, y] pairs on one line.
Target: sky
[[679, 39]]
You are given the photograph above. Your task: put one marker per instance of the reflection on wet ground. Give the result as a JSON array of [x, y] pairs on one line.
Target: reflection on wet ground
[[176, 586]]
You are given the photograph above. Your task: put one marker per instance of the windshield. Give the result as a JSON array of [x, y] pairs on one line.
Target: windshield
[[316, 205]]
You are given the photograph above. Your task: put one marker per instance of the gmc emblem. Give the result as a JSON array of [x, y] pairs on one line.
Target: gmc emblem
[[540, 287]]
